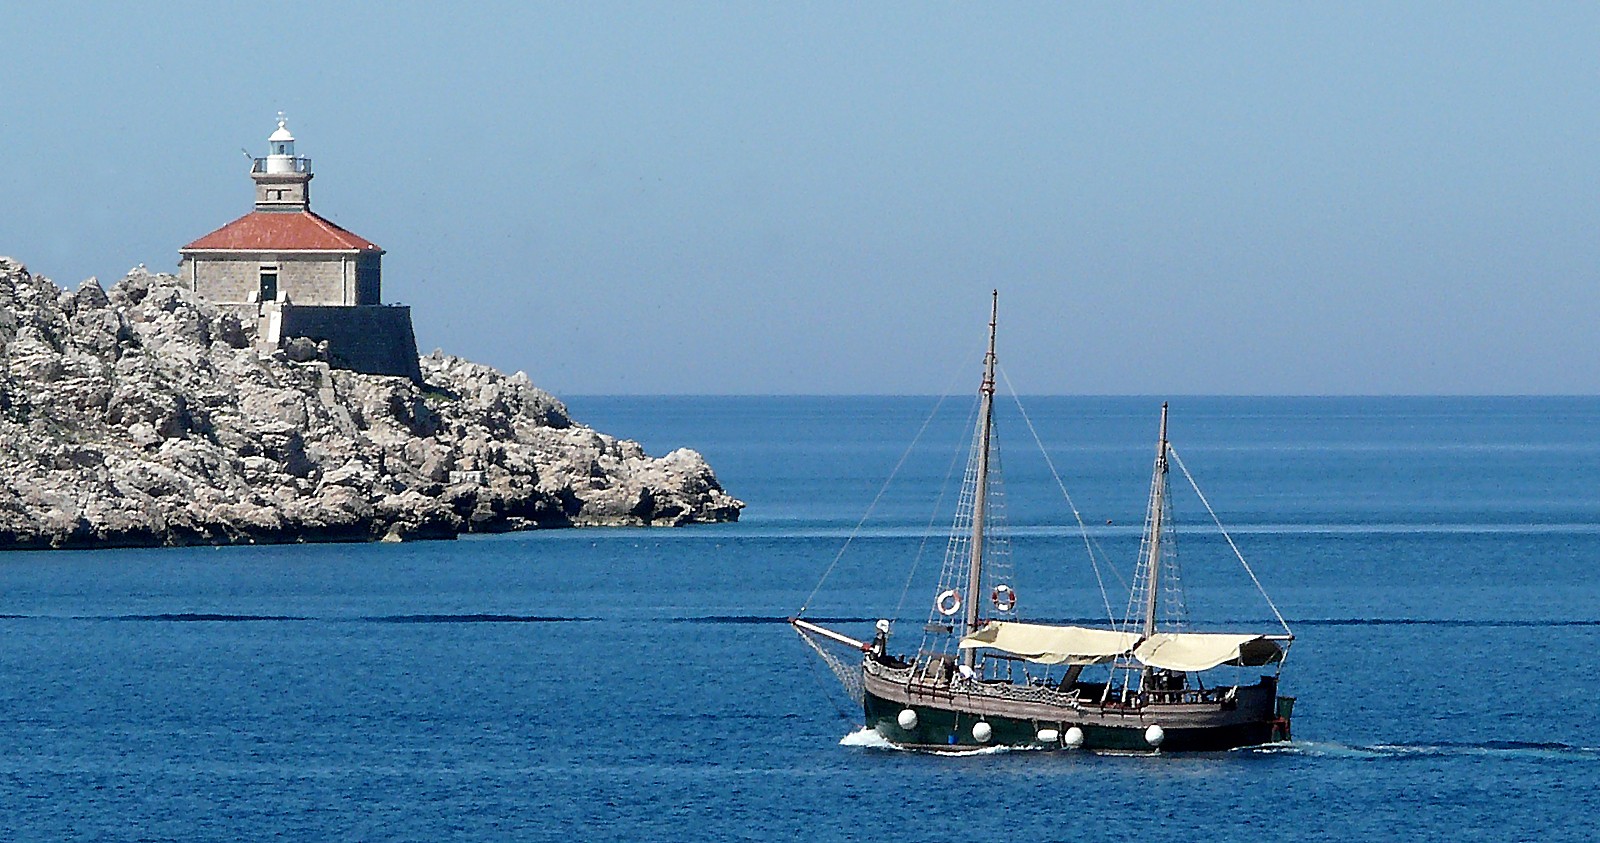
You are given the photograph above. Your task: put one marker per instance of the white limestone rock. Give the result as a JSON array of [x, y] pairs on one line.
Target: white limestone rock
[[143, 415]]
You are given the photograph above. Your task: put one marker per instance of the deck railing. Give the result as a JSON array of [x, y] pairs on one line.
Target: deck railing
[[959, 684], [1012, 691], [301, 165]]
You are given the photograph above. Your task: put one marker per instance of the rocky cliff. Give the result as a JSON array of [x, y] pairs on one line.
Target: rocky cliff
[[143, 415]]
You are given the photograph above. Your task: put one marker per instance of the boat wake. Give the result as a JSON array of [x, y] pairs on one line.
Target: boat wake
[[864, 738], [1530, 750]]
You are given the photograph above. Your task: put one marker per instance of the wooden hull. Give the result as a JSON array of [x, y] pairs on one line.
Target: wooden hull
[[946, 714]]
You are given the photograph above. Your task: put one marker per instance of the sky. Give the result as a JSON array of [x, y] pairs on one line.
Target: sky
[[782, 198]]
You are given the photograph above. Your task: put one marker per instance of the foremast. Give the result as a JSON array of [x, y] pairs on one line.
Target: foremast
[[980, 502], [1158, 501], [1155, 541]]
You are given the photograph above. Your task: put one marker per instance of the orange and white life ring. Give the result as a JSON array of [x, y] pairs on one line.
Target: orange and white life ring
[[1004, 597], [948, 602]]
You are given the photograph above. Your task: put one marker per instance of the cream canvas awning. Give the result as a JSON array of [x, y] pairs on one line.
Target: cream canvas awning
[[1052, 644], [1205, 650]]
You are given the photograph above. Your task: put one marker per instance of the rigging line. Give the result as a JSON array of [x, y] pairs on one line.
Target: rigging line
[[827, 693], [956, 553], [1100, 553], [927, 530], [1139, 592], [1082, 528], [1281, 622], [870, 507]]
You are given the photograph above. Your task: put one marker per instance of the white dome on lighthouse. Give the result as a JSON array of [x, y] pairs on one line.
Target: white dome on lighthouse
[[280, 149], [283, 131]]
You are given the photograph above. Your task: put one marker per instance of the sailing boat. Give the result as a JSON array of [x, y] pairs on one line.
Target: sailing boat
[[1156, 688]]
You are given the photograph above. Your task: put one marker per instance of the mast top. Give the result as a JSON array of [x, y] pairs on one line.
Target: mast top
[[988, 359], [1161, 449], [981, 489], [1152, 561]]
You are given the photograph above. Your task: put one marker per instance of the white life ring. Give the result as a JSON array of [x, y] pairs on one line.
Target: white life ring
[[1004, 597], [948, 602]]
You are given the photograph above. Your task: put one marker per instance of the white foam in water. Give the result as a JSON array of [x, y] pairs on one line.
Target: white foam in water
[[987, 750], [1319, 749], [1496, 750], [868, 738], [1280, 748]]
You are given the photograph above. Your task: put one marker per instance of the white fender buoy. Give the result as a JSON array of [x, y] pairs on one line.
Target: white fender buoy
[[907, 719], [982, 732], [1155, 735], [1073, 738], [1048, 736]]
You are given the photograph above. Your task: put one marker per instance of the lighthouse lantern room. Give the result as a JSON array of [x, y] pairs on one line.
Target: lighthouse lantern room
[[281, 250]]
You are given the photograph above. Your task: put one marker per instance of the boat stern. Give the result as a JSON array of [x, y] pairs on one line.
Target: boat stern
[[1285, 713]]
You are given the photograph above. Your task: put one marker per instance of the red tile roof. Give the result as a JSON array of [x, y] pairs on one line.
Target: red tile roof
[[280, 231]]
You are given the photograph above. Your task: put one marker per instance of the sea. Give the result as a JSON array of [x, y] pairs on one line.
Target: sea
[[1438, 560]]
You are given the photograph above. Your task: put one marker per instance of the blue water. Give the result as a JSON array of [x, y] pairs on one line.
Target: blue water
[[1439, 560]]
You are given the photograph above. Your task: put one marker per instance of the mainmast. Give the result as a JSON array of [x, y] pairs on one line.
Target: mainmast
[[980, 501], [1158, 494]]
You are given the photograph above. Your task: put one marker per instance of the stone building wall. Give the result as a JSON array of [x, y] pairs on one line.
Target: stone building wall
[[324, 279], [369, 278], [375, 339], [221, 280]]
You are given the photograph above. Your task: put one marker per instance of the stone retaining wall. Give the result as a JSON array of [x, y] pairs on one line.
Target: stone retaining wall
[[374, 340]]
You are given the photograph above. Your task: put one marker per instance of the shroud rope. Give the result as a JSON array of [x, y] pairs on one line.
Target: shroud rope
[[1083, 529], [1221, 529]]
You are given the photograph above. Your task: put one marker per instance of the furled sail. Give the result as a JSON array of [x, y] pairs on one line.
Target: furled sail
[[1052, 644], [1205, 650]]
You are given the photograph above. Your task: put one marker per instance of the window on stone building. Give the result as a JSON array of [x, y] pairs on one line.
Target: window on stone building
[[269, 284]]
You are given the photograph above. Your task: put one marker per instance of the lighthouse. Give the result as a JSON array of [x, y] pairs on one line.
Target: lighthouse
[[300, 273], [283, 181], [282, 250]]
